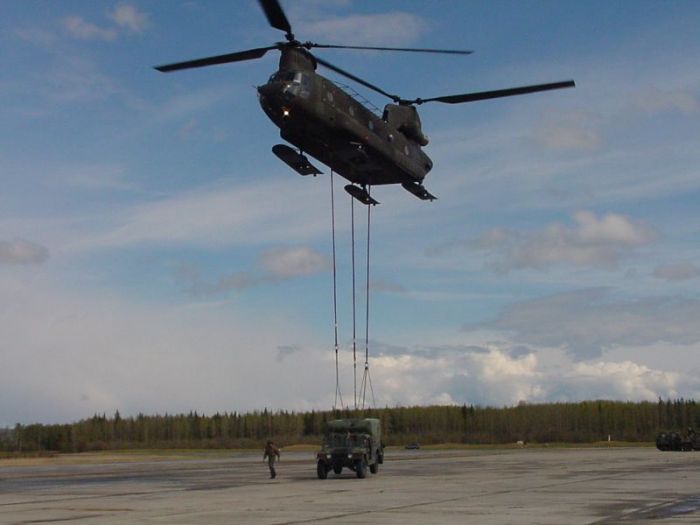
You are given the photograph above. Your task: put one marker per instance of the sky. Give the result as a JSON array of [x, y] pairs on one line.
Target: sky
[[156, 257]]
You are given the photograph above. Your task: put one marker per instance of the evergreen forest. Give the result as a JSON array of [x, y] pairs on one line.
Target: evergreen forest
[[583, 422]]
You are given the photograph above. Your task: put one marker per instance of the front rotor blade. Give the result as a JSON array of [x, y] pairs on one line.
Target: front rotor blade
[[409, 49], [356, 79], [484, 95], [250, 54], [275, 15]]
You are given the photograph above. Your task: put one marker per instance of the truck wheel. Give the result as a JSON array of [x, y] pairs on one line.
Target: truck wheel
[[374, 468], [361, 468], [337, 469], [321, 470]]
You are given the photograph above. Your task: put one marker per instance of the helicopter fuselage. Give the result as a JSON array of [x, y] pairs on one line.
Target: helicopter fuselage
[[321, 119]]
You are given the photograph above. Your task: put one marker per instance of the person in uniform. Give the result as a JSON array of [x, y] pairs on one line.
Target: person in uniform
[[272, 453]]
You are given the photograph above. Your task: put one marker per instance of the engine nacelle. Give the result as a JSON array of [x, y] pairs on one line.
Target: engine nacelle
[[406, 120]]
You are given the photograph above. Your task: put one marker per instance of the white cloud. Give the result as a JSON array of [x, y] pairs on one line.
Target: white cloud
[[217, 216], [22, 252], [656, 101], [592, 241], [569, 138], [73, 78], [492, 238], [496, 375], [95, 177], [288, 262], [212, 356], [194, 102], [602, 147], [83, 30], [236, 281], [572, 131], [587, 322], [286, 351], [618, 380], [66, 75], [274, 265], [676, 272], [488, 375], [488, 240], [611, 228], [37, 36], [385, 29], [98, 352], [125, 15]]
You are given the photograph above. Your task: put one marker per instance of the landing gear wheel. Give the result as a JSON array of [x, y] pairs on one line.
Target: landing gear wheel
[[374, 468], [337, 469], [321, 470]]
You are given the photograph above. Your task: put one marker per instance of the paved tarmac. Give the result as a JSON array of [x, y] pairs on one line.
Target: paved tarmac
[[523, 486]]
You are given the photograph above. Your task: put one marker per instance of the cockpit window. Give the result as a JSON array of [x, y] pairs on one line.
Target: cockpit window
[[296, 83], [286, 76]]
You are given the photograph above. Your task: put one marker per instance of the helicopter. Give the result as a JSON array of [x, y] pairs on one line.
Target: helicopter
[[327, 122]]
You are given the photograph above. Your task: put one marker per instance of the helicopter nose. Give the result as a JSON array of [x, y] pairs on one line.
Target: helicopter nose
[[271, 93], [275, 102], [266, 97], [277, 91], [263, 91]]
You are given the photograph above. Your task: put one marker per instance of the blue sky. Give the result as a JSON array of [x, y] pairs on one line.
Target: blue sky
[[155, 256]]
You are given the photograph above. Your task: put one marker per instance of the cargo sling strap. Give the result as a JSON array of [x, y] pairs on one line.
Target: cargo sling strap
[[366, 379]]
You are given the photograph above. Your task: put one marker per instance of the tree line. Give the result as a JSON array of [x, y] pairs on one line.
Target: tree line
[[583, 422]]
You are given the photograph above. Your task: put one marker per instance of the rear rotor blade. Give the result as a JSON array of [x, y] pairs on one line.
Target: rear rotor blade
[[484, 95], [276, 17], [356, 79], [249, 54], [309, 45]]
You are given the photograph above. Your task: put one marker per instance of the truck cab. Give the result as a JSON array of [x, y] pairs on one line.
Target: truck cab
[[353, 443]]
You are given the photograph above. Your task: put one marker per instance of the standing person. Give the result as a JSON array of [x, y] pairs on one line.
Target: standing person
[[271, 453]]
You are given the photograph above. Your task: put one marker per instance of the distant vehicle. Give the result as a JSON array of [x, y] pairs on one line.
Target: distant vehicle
[[673, 441], [412, 446], [351, 443]]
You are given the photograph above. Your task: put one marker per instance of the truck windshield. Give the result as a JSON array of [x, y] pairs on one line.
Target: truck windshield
[[340, 440]]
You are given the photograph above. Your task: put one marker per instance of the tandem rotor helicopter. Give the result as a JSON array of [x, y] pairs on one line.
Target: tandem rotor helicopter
[[323, 120]]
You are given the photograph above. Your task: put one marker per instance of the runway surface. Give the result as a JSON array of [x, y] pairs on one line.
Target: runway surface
[[524, 486]]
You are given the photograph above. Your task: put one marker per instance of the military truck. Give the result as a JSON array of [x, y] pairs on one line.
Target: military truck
[[354, 443], [666, 441]]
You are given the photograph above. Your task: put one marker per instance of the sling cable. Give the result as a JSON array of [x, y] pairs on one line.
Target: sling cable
[[338, 395], [366, 379]]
